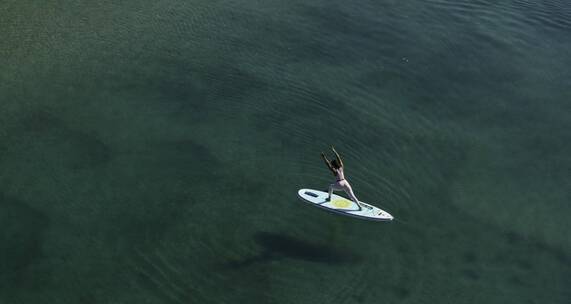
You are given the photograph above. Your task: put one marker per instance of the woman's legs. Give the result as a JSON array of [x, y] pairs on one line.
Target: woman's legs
[[349, 192], [332, 187], [345, 186]]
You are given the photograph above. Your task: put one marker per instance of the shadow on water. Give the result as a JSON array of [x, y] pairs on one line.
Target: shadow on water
[[21, 243], [42, 130], [277, 246]]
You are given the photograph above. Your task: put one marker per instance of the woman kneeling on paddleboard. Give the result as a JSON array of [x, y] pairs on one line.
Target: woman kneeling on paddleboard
[[336, 167]]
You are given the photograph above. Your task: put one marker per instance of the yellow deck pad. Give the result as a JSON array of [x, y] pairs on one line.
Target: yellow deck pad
[[341, 203]]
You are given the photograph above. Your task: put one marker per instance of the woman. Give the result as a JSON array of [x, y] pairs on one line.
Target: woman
[[336, 167]]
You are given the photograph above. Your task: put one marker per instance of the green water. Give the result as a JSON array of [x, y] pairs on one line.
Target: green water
[[151, 151]]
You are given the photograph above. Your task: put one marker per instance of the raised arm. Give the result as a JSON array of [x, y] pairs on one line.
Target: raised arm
[[338, 157], [327, 162]]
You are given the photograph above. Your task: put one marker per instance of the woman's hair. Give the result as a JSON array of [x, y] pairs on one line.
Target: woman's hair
[[335, 164]]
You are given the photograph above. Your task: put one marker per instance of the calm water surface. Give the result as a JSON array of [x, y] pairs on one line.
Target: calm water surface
[[150, 151]]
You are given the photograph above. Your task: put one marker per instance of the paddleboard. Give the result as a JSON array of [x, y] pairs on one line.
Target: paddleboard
[[343, 205]]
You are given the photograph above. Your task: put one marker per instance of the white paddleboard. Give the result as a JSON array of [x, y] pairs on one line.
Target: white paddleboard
[[342, 205]]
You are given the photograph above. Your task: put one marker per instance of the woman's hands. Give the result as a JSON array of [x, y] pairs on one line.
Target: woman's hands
[[337, 156], [332, 148]]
